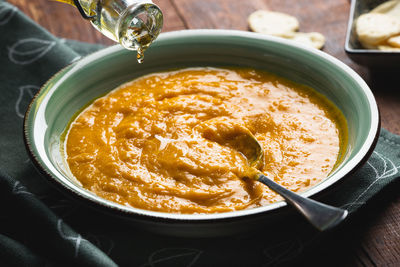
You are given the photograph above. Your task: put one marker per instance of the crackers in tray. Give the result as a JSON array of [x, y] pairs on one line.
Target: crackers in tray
[[380, 28]]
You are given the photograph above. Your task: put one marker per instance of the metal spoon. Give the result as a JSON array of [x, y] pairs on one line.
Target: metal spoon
[[320, 215]]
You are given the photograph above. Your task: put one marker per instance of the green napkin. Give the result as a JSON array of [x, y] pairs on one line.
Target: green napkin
[[41, 227]]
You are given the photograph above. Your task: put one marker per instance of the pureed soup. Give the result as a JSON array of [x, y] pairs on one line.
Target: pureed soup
[[146, 144]]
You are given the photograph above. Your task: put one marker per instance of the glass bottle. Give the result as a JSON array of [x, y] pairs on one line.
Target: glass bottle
[[135, 24]]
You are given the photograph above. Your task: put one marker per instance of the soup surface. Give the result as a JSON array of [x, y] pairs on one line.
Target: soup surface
[[153, 143]]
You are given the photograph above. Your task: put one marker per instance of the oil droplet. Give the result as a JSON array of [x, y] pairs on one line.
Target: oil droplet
[[140, 55]]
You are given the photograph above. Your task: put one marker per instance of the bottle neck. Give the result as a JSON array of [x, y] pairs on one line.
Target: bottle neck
[[89, 6]]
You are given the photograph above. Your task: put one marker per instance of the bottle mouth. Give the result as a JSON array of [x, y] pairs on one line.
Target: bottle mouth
[[140, 26]]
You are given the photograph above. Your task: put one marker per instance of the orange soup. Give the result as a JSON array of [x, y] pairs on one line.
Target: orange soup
[[144, 144]]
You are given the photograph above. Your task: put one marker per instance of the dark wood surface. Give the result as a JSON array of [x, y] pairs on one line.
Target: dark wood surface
[[372, 238]]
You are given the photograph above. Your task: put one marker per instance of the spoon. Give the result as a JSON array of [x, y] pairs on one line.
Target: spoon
[[229, 133], [320, 215]]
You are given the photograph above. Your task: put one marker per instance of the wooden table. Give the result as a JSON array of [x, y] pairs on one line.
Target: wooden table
[[372, 237]]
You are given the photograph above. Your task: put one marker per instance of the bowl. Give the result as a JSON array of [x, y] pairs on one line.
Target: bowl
[[72, 88], [372, 58]]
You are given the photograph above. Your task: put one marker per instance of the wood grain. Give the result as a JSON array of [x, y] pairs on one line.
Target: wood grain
[[222, 14], [372, 238]]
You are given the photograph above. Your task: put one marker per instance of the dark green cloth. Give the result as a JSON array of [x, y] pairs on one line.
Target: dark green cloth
[[37, 223]]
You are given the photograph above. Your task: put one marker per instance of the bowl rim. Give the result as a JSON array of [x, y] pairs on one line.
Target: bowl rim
[[93, 200]]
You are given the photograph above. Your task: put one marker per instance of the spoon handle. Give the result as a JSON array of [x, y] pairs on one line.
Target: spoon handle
[[320, 215]]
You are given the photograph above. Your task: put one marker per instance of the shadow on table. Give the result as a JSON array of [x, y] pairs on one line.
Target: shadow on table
[[383, 80], [386, 87], [348, 244]]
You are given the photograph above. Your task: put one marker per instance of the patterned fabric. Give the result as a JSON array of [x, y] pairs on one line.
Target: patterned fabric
[[40, 227]]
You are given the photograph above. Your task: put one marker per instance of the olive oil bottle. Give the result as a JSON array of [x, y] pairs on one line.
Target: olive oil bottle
[[135, 24]]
